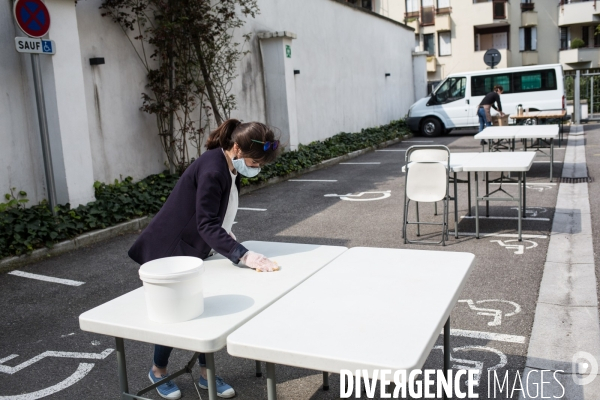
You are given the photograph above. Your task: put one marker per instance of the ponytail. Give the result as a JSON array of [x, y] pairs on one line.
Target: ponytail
[[221, 137]]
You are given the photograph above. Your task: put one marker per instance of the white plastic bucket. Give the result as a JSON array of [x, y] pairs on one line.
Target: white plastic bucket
[[173, 288]]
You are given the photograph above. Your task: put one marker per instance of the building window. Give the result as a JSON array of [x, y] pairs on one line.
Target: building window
[[445, 45], [368, 4], [528, 39], [585, 35], [429, 44], [596, 39], [564, 38], [442, 4], [427, 12], [492, 38], [527, 5], [499, 9], [412, 8]]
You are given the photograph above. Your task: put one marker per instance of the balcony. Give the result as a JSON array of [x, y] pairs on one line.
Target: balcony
[[529, 57], [478, 63], [491, 13], [443, 22], [580, 58], [529, 18], [414, 23], [582, 12], [431, 64]]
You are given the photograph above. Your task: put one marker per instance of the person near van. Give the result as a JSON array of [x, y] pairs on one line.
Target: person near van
[[198, 215], [483, 110]]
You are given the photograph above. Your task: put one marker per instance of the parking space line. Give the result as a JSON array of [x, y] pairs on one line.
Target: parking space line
[[524, 219], [498, 337], [507, 235], [251, 209], [359, 163], [312, 180], [46, 278]]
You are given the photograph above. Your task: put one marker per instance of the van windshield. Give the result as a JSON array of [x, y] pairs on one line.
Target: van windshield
[[450, 90]]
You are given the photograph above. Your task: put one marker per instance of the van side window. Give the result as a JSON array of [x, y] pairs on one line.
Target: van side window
[[483, 84], [535, 80], [451, 90], [516, 82]]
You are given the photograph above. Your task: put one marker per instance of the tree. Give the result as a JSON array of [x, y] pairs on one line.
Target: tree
[[187, 48]]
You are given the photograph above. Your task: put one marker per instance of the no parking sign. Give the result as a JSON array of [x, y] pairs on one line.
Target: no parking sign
[[33, 17]]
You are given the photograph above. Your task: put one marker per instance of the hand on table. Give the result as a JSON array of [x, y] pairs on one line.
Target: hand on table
[[259, 262]]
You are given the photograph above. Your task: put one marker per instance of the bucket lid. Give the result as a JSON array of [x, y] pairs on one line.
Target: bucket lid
[[170, 268]]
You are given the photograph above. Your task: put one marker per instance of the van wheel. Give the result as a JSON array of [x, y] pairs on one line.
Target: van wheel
[[431, 127]]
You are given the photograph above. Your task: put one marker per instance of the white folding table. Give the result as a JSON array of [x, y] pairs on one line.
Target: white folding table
[[233, 295], [519, 162], [389, 307], [541, 134]]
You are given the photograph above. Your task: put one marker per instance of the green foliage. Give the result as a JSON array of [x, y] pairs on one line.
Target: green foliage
[[24, 229], [577, 43]]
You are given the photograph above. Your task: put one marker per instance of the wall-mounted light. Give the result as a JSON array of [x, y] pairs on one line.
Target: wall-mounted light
[[387, 74], [97, 61], [296, 72]]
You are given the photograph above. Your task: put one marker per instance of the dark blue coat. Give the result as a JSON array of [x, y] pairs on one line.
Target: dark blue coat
[[189, 223]]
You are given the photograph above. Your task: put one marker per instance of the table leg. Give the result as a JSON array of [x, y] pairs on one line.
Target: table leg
[[476, 206], [271, 383], [487, 193], [418, 225], [524, 195], [551, 159], [124, 385], [520, 186], [325, 380], [455, 208], [210, 376], [447, 365], [258, 371], [469, 191]]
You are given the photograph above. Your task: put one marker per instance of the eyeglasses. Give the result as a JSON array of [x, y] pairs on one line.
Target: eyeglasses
[[273, 145]]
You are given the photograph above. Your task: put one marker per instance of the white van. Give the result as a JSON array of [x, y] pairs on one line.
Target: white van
[[454, 103]]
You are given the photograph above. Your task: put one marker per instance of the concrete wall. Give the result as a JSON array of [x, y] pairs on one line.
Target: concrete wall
[[343, 54]]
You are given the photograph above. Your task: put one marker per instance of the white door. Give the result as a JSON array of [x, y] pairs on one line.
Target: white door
[[450, 102], [500, 40]]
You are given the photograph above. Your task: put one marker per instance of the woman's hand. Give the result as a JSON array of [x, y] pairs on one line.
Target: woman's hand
[[259, 262]]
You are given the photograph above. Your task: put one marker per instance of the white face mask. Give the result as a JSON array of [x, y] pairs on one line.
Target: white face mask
[[240, 165]]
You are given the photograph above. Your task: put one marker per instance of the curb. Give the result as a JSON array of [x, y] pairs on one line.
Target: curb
[[89, 238]]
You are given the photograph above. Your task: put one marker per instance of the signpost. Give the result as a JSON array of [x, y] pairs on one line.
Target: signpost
[[492, 57], [33, 18]]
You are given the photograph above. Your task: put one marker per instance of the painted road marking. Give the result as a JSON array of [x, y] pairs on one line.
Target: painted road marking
[[497, 337], [46, 278], [312, 180], [360, 163], [529, 184], [497, 314], [418, 141], [519, 248], [525, 219], [506, 235], [59, 354], [532, 210], [473, 364], [353, 197], [81, 372], [252, 209]]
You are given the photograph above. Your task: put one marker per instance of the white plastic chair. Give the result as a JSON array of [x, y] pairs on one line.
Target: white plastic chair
[[426, 181]]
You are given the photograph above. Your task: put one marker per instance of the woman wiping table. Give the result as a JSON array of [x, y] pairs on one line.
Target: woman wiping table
[[198, 215]]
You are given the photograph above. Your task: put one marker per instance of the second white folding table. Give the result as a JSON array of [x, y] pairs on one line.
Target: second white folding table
[[541, 134]]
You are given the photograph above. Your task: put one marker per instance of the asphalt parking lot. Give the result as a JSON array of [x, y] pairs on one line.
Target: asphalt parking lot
[[493, 319]]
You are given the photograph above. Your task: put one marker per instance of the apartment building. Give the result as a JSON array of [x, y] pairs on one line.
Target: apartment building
[[457, 33]]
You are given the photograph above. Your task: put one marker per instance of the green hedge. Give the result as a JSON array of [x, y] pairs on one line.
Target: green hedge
[[24, 229]]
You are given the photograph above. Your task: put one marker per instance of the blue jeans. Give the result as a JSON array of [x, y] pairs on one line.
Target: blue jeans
[[162, 353], [482, 119]]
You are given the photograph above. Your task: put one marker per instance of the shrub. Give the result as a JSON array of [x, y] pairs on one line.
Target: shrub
[[577, 43]]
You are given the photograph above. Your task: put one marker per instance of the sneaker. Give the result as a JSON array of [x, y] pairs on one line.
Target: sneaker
[[167, 390], [223, 390]]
